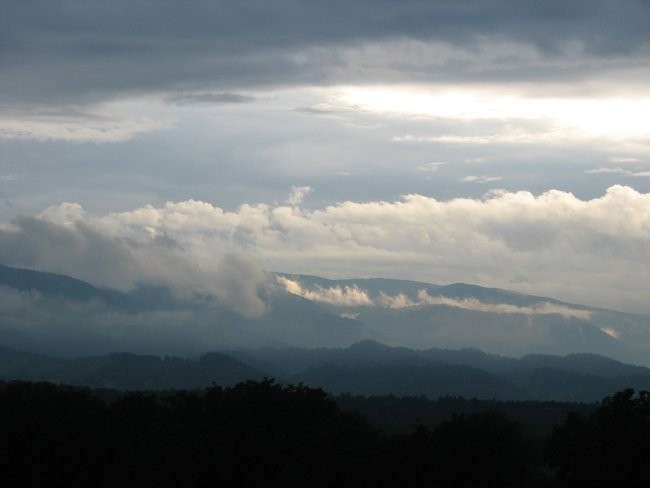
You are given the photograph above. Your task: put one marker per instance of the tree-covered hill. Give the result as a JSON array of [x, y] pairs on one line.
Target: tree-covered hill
[[256, 434], [365, 368]]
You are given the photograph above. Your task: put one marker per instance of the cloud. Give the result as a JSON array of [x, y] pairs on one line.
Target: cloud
[[619, 171], [396, 301], [65, 240], [55, 326], [508, 136], [355, 296], [85, 49], [624, 160], [209, 98], [611, 332], [78, 129], [593, 251], [66, 214], [431, 167], [298, 193], [342, 296], [543, 308], [481, 179], [488, 115], [239, 281]]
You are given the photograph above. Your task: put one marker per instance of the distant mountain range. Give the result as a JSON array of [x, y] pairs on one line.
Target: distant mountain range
[[363, 337], [422, 315], [371, 368], [126, 371], [366, 368], [58, 315]]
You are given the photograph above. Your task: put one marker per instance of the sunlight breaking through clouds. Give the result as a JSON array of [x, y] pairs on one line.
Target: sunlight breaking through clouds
[[558, 120]]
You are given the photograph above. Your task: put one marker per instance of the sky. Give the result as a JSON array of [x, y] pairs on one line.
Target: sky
[[498, 142]]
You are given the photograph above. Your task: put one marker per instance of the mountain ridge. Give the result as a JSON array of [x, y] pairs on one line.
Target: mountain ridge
[[62, 315], [368, 369]]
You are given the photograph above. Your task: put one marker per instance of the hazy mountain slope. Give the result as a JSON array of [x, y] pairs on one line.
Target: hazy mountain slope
[[430, 380], [582, 363], [366, 368], [291, 361], [126, 371], [371, 368], [376, 286], [56, 314], [61, 286], [304, 323], [422, 315], [20, 365]]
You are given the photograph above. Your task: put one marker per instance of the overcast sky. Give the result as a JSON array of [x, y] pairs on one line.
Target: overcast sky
[[499, 142]]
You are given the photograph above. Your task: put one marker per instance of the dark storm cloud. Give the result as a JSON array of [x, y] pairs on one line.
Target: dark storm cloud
[[84, 50]]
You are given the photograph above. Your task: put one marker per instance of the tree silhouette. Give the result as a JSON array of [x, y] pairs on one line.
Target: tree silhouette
[[609, 448], [261, 433]]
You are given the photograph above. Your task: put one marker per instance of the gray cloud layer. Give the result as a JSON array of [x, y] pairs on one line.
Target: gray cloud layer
[[84, 50]]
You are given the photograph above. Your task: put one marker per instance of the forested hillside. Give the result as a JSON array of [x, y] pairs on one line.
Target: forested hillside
[[264, 434], [366, 368]]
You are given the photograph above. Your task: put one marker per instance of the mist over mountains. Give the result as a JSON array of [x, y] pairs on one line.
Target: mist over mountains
[[366, 337], [55, 314]]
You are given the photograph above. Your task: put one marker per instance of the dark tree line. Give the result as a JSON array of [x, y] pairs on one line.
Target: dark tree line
[[264, 434], [609, 448]]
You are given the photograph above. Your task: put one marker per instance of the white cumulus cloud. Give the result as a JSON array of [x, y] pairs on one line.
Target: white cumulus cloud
[[595, 252], [298, 193]]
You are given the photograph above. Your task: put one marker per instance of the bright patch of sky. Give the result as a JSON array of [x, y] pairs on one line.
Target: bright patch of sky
[[612, 120]]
